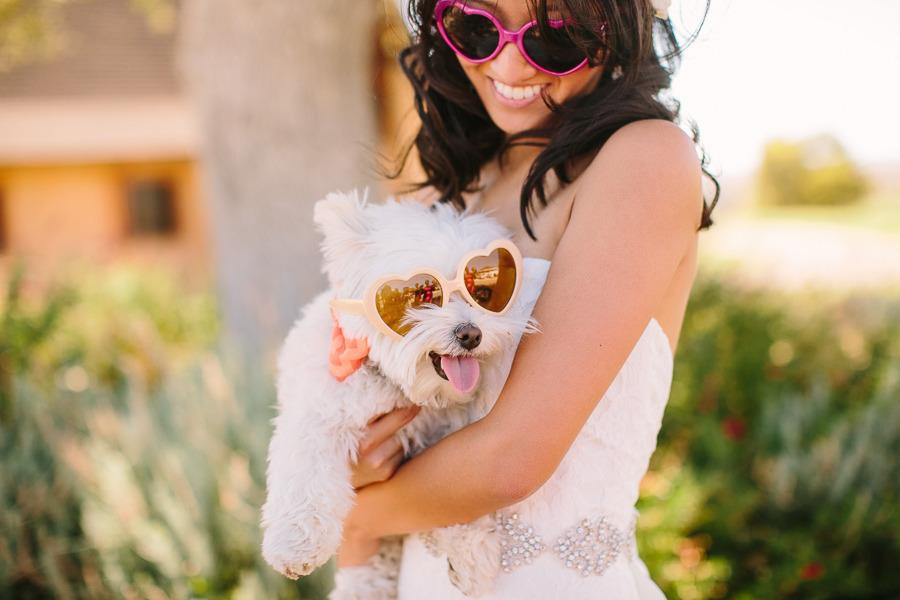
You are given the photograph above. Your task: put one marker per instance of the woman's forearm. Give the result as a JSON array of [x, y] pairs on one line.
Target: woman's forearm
[[457, 480]]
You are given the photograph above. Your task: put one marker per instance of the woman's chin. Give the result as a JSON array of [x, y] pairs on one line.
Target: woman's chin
[[513, 123], [512, 120]]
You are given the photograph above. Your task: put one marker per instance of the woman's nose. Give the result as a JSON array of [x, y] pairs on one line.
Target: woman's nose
[[510, 66]]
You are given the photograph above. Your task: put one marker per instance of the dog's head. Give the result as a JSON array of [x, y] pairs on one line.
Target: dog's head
[[452, 352]]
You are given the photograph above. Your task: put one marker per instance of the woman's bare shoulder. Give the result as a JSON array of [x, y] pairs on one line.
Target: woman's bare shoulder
[[653, 142], [652, 160]]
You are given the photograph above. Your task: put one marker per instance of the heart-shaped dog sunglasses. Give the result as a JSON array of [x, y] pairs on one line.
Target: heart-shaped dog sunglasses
[[488, 279]]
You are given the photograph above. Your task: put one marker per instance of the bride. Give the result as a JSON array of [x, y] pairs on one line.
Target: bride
[[563, 101]]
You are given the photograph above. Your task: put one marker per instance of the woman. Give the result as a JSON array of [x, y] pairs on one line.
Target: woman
[[564, 105]]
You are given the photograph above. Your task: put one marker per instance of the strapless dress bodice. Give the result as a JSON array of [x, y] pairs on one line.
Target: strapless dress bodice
[[574, 537]]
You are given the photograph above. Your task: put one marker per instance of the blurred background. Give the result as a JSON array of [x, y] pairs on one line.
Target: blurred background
[[158, 164]]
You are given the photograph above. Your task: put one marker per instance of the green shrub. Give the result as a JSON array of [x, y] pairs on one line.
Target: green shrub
[[814, 171], [777, 470], [23, 329], [135, 462]]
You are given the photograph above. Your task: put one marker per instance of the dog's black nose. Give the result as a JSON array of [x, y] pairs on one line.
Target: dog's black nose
[[468, 336]]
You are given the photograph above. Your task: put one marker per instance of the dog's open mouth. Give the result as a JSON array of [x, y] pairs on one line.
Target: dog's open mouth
[[461, 371]]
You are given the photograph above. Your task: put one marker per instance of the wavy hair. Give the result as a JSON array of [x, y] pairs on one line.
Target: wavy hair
[[640, 54]]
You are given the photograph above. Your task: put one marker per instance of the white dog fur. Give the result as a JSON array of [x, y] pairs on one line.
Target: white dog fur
[[321, 420]]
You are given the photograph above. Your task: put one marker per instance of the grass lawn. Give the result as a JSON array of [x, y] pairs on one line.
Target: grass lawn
[[881, 212], [843, 247]]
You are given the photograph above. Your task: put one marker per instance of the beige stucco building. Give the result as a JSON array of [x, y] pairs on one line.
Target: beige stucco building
[[98, 147], [97, 150]]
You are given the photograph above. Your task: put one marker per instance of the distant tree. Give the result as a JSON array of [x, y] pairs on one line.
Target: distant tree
[[813, 171], [32, 30], [29, 30]]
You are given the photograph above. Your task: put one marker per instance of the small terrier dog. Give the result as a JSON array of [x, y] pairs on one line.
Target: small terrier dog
[[408, 341]]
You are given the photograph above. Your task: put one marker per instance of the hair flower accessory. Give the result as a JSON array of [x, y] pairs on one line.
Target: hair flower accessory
[[661, 7]]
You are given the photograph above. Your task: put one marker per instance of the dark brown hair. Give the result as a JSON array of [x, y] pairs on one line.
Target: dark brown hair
[[457, 136]]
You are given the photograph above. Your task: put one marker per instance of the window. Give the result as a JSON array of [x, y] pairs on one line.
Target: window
[[3, 233], [151, 207]]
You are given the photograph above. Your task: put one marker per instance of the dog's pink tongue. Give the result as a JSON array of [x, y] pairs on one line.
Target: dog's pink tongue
[[462, 371]]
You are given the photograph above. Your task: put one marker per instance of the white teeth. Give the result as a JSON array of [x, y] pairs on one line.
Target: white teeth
[[516, 93]]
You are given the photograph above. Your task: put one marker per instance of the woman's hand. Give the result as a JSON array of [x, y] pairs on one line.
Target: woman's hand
[[356, 549], [380, 451]]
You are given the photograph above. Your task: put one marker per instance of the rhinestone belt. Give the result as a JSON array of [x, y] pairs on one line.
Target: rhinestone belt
[[589, 547]]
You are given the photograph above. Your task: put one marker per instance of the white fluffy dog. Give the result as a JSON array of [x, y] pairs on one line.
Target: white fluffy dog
[[338, 370]]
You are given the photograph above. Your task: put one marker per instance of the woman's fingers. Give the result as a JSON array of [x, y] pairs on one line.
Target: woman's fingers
[[383, 427], [379, 465], [380, 449], [385, 451], [392, 464], [385, 469]]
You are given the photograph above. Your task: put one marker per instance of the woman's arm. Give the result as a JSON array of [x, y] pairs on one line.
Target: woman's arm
[[637, 210]]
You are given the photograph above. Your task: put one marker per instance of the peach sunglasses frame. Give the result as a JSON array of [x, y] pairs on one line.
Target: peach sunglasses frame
[[366, 306]]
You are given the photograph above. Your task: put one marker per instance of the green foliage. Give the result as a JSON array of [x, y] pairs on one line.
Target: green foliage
[[135, 464], [777, 473], [814, 171], [29, 30], [159, 14], [22, 330], [32, 30]]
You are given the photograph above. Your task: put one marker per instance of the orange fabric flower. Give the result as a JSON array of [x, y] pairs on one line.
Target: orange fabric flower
[[345, 355]]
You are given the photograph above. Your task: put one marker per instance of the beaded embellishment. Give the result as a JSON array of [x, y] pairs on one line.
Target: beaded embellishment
[[518, 542], [593, 545], [589, 548]]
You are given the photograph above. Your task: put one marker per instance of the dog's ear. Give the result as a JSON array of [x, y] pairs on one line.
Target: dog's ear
[[341, 218]]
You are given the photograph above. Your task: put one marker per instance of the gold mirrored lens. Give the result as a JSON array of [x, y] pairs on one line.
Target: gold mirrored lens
[[491, 280], [394, 297]]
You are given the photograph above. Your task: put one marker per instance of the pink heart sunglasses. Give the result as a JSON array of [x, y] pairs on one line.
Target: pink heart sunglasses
[[478, 37]]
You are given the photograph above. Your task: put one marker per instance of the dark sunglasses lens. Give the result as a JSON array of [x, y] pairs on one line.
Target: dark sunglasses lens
[[491, 280], [394, 297], [553, 50], [473, 36]]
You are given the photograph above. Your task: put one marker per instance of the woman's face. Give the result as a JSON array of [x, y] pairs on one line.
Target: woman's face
[[509, 69]]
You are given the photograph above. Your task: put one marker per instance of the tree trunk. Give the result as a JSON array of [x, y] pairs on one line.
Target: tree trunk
[[283, 91]]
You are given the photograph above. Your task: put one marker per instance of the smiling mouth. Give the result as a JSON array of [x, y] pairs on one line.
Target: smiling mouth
[[517, 92], [515, 96], [463, 372]]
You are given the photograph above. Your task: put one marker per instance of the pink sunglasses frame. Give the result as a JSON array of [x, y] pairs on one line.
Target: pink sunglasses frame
[[505, 36]]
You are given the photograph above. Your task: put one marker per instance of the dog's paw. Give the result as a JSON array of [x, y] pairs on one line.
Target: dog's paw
[[364, 582], [473, 555], [292, 572], [470, 578], [290, 552], [288, 568], [374, 580]]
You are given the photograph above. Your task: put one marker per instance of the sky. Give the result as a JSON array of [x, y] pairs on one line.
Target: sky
[[764, 69]]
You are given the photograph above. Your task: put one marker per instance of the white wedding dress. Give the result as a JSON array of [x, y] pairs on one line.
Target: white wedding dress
[[574, 538]]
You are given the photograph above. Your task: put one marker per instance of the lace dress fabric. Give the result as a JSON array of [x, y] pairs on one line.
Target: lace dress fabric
[[574, 537]]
